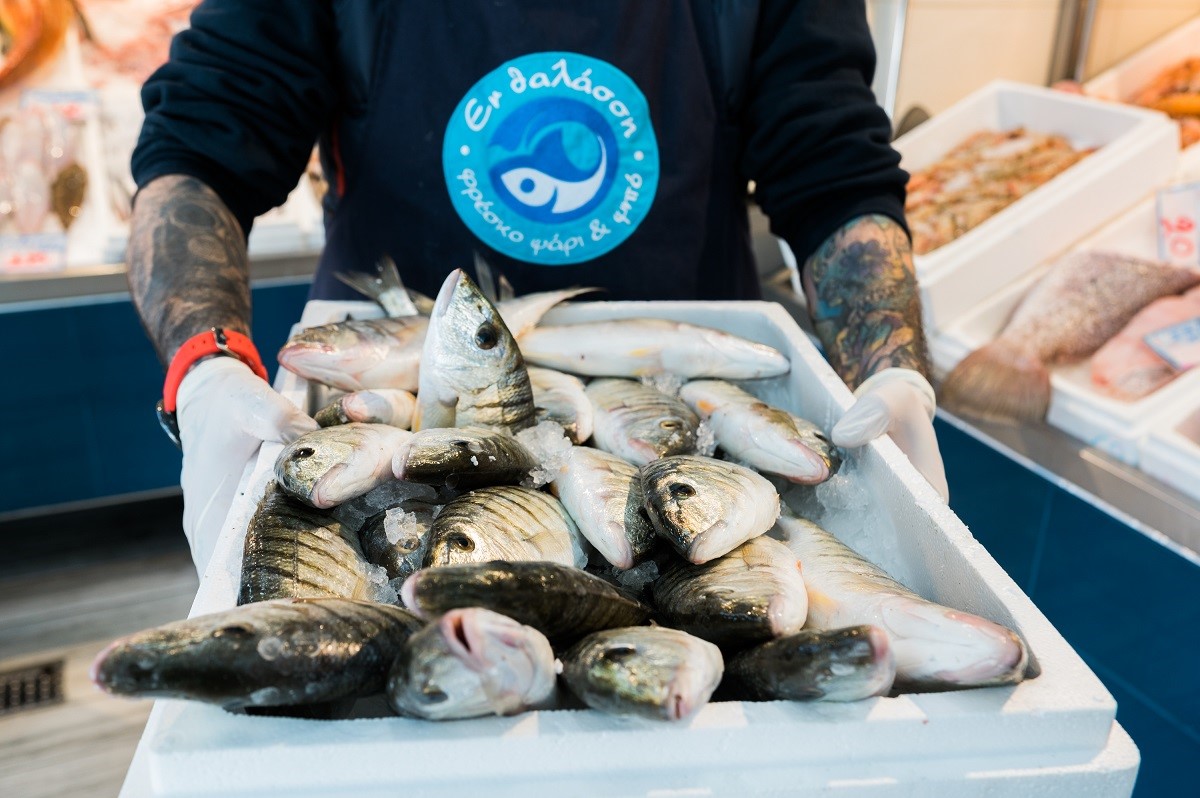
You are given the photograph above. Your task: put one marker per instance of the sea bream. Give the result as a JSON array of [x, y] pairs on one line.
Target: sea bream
[[330, 465], [935, 647], [603, 493], [640, 423], [814, 665], [391, 406], [768, 438], [561, 398]]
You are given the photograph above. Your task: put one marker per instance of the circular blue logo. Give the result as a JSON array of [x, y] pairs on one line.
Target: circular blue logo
[[551, 158]]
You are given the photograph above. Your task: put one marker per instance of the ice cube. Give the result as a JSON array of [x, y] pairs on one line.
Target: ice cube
[[398, 524], [355, 512], [550, 447], [706, 441], [664, 383], [381, 589]]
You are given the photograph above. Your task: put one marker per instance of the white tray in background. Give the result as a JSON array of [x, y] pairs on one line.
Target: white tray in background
[[1111, 425], [1137, 151], [1052, 735], [1169, 456], [1124, 81]]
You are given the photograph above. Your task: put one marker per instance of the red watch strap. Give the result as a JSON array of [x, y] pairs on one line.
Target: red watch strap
[[214, 341]]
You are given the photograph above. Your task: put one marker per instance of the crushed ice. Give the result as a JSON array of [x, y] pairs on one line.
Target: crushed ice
[[381, 589], [550, 447], [638, 577], [706, 441], [664, 382], [355, 512], [398, 524]]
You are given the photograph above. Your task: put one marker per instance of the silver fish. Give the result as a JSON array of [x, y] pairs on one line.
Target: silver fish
[[936, 647], [285, 652], [330, 465], [505, 523], [751, 595], [398, 538], [474, 374], [651, 671], [836, 665], [638, 423], [765, 437], [603, 494], [472, 662], [642, 347], [360, 353], [391, 406], [462, 458], [706, 508], [561, 398]]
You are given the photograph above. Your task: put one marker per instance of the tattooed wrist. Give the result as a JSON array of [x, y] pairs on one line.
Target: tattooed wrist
[[864, 302], [188, 269]]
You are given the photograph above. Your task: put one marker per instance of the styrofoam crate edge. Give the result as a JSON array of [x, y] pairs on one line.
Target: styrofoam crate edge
[[1171, 457]]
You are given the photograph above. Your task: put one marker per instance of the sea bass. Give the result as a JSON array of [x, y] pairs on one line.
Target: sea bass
[[750, 595], [765, 437], [391, 406], [1081, 302], [359, 354], [333, 464], [286, 652], [836, 665], [472, 662], [462, 458], [651, 671], [603, 494], [706, 508], [474, 375], [561, 398], [561, 602], [935, 647], [505, 523], [639, 423], [1126, 368], [642, 347]]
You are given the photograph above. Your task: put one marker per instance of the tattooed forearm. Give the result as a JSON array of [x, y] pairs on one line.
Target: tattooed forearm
[[187, 263], [862, 295]]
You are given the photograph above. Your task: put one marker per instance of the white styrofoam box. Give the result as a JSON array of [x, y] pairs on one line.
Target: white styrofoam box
[[1050, 731], [1171, 456], [1137, 151], [1124, 81]]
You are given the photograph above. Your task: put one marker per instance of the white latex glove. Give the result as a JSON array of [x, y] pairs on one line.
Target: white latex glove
[[897, 402], [224, 412]]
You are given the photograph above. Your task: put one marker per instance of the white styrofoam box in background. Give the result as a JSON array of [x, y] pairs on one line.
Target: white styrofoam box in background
[[1169, 455], [1053, 734], [1137, 151]]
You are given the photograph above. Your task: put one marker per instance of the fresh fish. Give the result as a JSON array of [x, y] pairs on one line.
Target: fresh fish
[[603, 494], [1126, 368], [639, 423], [522, 313], [651, 671], [641, 347], [505, 523], [836, 665], [397, 539], [285, 652], [752, 594], [360, 353], [474, 374], [561, 602], [463, 458], [327, 466], [935, 647], [354, 513], [706, 508], [1084, 300], [294, 551], [391, 406], [765, 437], [385, 287], [561, 398], [472, 662]]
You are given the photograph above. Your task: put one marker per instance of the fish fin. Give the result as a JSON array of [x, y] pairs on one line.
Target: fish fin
[[384, 287], [504, 289], [485, 279], [1000, 382]]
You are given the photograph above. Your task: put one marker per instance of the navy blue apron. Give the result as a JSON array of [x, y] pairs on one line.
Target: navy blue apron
[[567, 143]]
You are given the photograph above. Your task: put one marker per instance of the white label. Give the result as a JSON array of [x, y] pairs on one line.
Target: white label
[[1178, 214], [1178, 344], [31, 254]]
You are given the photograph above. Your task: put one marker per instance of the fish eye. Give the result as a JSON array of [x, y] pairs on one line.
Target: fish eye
[[618, 654], [461, 542], [432, 695], [680, 490], [486, 336], [302, 452], [670, 423]]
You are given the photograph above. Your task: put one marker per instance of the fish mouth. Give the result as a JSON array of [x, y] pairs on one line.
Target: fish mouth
[[466, 639], [408, 592], [324, 493], [818, 469], [446, 294], [709, 544]]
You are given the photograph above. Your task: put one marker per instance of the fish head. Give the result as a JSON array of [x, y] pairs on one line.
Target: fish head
[[334, 354], [651, 436], [845, 665], [682, 501], [469, 339], [314, 466], [459, 542], [438, 454]]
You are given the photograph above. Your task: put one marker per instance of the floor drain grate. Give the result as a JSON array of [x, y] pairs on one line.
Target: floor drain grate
[[32, 686]]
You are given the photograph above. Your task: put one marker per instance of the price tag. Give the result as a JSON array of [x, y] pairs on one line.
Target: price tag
[[31, 254], [74, 106], [1178, 220], [1178, 344]]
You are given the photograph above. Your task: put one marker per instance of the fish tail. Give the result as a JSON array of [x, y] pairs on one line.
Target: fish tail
[[384, 287], [1001, 381]]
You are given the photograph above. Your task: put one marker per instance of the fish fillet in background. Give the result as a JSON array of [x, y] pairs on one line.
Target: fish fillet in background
[[1126, 367], [1081, 302]]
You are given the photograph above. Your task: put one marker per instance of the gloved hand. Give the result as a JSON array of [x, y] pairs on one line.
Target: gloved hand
[[224, 412], [897, 402]]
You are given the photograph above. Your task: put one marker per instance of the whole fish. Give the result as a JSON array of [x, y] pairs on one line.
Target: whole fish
[[472, 662], [359, 354], [505, 523], [330, 465], [651, 671], [294, 551], [474, 375], [561, 602], [752, 594], [391, 406], [398, 538], [935, 647], [642, 347], [706, 508], [639, 423], [462, 458], [836, 665], [603, 494], [561, 398], [1126, 368], [285, 652], [765, 437], [1084, 300]]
